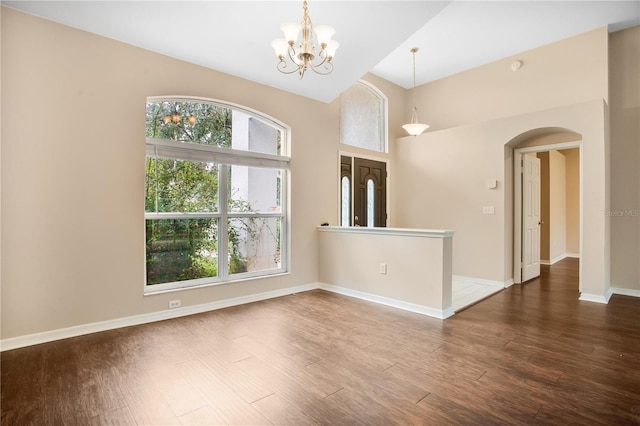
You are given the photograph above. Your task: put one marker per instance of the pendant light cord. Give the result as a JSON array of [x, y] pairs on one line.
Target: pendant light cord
[[414, 113]]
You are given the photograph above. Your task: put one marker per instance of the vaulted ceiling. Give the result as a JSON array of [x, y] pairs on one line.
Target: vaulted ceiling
[[375, 36]]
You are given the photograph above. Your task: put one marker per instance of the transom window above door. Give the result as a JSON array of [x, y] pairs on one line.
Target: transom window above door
[[363, 117]]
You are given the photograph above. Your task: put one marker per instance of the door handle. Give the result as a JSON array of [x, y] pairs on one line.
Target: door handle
[[541, 223]]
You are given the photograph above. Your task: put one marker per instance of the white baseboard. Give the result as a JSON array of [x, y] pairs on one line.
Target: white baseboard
[[573, 255], [501, 284], [596, 297], [394, 303], [557, 259], [626, 291], [79, 330]]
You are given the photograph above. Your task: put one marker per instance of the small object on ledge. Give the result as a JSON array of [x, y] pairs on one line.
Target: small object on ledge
[[324, 224]]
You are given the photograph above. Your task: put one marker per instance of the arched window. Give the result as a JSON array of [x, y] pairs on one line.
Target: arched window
[[363, 117], [215, 206]]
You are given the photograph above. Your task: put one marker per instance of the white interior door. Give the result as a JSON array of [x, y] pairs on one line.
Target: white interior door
[[530, 217]]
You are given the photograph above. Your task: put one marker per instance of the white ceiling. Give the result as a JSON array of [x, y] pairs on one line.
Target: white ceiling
[[375, 36]]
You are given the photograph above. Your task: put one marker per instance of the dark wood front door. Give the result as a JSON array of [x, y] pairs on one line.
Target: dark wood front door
[[370, 193]]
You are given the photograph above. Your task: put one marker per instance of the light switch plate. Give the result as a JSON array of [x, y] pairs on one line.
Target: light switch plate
[[488, 210]]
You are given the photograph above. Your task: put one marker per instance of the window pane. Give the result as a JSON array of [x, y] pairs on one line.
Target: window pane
[[181, 249], [251, 134], [254, 189], [254, 244], [362, 118], [208, 124], [370, 203], [345, 208], [180, 186]]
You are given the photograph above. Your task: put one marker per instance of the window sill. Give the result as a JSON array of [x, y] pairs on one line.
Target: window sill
[[149, 291]]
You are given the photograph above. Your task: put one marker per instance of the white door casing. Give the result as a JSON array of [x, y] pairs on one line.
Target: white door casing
[[530, 217]]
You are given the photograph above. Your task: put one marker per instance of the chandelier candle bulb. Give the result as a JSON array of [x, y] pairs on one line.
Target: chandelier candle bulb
[[324, 33], [332, 46], [291, 30], [280, 46]]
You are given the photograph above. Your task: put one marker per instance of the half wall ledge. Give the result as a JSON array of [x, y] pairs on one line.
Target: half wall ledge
[[407, 268]]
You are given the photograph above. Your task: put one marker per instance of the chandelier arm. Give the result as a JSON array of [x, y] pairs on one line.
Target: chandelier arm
[[323, 55], [324, 64], [282, 65], [291, 53]]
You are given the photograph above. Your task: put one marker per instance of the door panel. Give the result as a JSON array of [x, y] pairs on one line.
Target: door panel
[[530, 217], [366, 171]]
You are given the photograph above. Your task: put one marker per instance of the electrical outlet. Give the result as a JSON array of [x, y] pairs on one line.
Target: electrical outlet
[[383, 268], [174, 304], [488, 210]]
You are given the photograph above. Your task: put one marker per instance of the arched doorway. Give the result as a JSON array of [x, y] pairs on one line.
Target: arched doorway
[[540, 214]]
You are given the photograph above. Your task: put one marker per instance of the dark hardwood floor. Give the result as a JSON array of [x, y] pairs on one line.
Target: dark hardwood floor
[[531, 354]]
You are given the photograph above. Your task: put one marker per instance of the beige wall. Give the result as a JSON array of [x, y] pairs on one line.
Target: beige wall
[[477, 117], [557, 206], [572, 157], [624, 86], [442, 185], [559, 202], [73, 174], [553, 205], [418, 266], [569, 71], [1, 10]]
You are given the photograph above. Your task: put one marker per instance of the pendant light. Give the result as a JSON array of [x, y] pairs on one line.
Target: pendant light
[[414, 128]]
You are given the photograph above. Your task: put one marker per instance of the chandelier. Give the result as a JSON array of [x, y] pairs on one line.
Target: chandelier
[[414, 128], [302, 55]]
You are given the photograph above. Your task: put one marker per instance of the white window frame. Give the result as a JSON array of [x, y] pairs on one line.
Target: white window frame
[[225, 157]]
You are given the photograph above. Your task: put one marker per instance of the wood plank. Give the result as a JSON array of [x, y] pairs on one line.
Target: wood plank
[[219, 397], [280, 412], [531, 354]]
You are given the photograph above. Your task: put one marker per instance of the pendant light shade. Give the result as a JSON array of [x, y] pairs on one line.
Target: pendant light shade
[[415, 128]]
